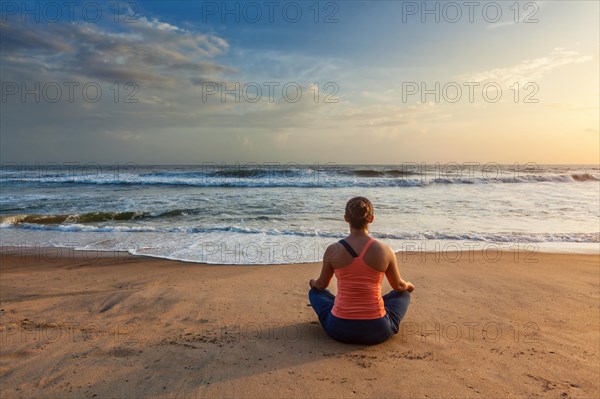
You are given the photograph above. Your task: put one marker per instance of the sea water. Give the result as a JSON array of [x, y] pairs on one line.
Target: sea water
[[287, 213]]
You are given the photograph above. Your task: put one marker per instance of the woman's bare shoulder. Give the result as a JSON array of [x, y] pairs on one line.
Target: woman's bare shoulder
[[331, 251], [383, 248]]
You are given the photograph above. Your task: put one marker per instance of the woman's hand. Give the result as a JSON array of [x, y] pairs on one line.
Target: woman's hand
[[312, 283], [409, 286]]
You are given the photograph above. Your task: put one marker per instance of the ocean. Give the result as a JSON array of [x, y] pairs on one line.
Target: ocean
[[287, 213]]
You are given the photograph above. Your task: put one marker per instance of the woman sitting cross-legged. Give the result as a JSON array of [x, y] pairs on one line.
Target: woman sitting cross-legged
[[359, 314]]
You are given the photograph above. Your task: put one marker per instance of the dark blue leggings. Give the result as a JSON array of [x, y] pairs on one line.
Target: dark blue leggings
[[365, 332]]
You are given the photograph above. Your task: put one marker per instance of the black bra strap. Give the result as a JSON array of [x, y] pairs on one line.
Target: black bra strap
[[349, 248]]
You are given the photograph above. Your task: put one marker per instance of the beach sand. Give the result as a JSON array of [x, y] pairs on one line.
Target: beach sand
[[480, 325]]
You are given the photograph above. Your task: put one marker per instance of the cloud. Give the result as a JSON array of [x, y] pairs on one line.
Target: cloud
[[528, 70], [292, 66], [124, 135], [149, 52], [15, 38], [525, 15], [390, 120], [282, 138], [171, 118]]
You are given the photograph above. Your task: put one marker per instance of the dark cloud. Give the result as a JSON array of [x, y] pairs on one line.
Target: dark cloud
[[147, 52], [14, 38]]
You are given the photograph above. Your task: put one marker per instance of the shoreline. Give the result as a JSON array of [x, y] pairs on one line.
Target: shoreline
[[37, 251], [133, 326]]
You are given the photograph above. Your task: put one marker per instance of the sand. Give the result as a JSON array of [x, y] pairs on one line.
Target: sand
[[109, 325]]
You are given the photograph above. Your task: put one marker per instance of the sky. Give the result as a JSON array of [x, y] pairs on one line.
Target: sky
[[353, 82]]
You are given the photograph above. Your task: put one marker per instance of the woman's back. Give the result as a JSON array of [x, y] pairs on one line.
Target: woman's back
[[376, 256], [359, 276], [359, 314]]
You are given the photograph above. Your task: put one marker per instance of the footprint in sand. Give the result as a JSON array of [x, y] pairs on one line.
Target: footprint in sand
[[112, 301], [122, 352]]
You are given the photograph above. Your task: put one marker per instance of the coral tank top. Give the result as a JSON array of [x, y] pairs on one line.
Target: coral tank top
[[358, 290]]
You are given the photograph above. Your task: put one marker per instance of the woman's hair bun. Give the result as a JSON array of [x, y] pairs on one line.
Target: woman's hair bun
[[358, 211]]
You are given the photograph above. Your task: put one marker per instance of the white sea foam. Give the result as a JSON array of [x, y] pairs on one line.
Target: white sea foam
[[184, 213]]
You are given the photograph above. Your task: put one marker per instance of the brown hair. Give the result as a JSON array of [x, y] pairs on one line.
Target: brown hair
[[358, 211]]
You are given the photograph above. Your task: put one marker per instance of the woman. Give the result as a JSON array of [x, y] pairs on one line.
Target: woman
[[359, 314]]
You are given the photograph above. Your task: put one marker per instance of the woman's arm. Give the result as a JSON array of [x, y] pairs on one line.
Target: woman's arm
[[326, 271], [393, 275]]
